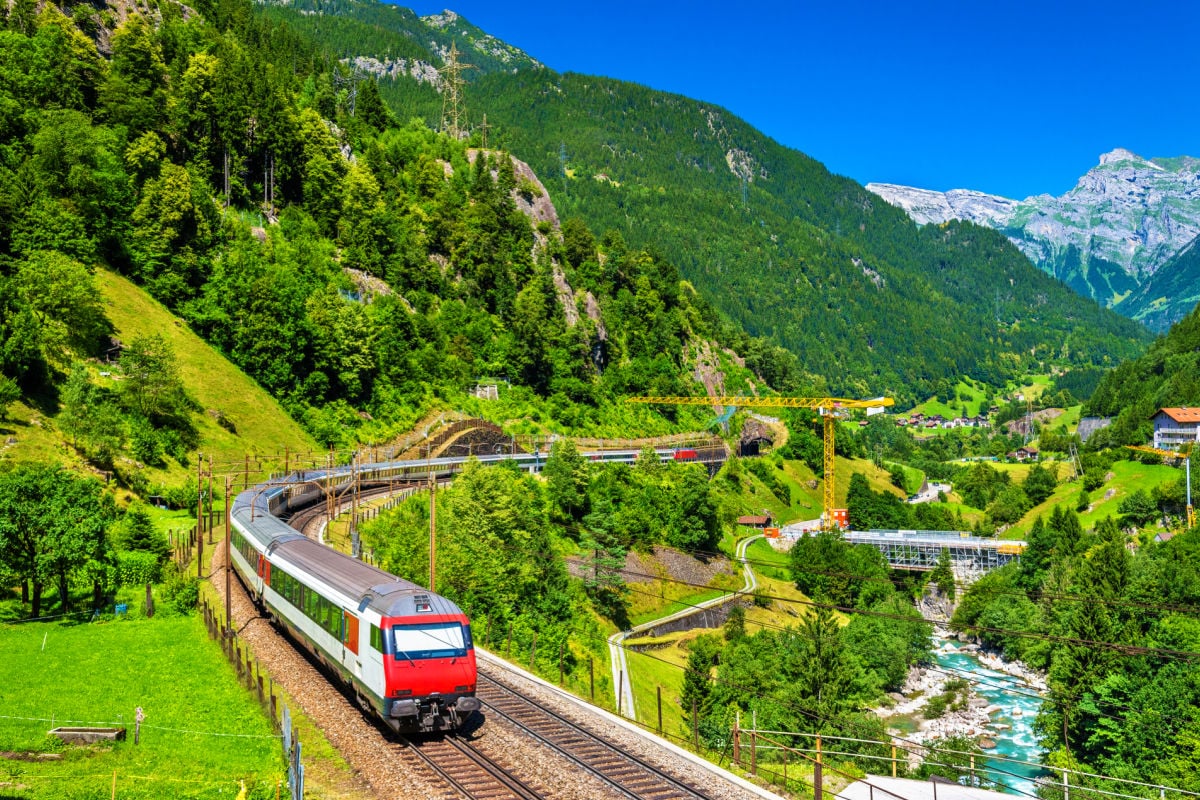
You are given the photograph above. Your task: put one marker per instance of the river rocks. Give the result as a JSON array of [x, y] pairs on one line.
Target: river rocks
[[1014, 668], [977, 717]]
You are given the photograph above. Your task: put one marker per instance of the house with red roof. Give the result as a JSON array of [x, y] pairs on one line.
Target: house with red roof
[[1175, 427]]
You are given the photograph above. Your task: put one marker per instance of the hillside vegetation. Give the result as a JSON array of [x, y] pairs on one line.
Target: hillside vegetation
[[368, 273], [808, 259], [1167, 375]]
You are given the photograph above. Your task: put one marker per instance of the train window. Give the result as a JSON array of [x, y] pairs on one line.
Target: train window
[[376, 638]]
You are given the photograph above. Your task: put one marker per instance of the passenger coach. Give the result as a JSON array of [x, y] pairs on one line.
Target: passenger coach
[[405, 651]]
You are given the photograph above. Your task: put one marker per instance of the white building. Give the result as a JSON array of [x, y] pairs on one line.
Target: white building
[[1174, 427]]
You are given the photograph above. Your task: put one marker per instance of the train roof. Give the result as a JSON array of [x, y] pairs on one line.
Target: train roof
[[381, 591]]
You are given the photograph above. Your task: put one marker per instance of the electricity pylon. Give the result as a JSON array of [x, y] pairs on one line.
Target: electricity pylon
[[452, 99]]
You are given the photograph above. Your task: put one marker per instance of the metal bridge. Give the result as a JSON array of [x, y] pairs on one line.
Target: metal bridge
[[920, 550]]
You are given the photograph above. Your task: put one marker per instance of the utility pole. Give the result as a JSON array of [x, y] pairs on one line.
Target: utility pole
[[562, 163], [228, 561], [211, 509], [432, 528], [199, 515], [355, 548]]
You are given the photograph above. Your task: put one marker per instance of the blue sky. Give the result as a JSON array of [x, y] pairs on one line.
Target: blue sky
[[1013, 98]]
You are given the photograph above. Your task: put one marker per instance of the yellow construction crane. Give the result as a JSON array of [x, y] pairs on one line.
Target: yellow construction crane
[[830, 409], [1186, 455]]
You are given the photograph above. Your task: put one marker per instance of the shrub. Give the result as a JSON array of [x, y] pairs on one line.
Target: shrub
[[138, 567], [181, 592]]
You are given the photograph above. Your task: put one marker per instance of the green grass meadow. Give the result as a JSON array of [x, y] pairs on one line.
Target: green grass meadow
[[1127, 478], [202, 736]]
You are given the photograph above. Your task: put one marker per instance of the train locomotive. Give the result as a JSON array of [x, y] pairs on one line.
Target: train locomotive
[[404, 651]]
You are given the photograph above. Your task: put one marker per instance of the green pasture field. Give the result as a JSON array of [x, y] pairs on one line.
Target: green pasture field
[[202, 736], [766, 561], [972, 402], [1069, 420], [1127, 478]]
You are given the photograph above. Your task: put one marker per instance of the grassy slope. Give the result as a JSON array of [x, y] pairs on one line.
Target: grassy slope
[[210, 379], [89, 674], [1127, 478], [972, 401], [663, 666], [215, 383], [754, 498]]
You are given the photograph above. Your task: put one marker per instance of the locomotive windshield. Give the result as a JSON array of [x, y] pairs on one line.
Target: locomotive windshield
[[432, 640]]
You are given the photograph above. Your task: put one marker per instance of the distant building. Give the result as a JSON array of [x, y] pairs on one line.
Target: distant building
[[754, 521], [1176, 426], [1026, 454]]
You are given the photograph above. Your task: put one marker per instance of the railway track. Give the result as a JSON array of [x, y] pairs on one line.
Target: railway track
[[309, 520], [467, 772], [470, 772], [628, 774]]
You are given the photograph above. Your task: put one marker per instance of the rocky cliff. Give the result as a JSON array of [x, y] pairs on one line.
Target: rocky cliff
[[1123, 220]]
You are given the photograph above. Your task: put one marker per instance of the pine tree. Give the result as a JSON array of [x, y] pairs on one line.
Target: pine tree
[[943, 574], [735, 624], [697, 679]]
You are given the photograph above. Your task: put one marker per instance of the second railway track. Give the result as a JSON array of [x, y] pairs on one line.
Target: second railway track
[[626, 773], [470, 772]]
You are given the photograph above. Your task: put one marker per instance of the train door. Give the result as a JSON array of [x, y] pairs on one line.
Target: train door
[[350, 642]]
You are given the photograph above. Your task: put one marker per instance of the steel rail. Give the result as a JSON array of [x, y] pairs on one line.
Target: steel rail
[[625, 772]]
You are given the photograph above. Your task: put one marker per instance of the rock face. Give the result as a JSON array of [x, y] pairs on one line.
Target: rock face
[[1125, 218]]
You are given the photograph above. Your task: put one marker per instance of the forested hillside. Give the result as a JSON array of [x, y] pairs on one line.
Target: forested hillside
[[811, 260], [1169, 294], [1115, 633], [359, 270], [1167, 375]]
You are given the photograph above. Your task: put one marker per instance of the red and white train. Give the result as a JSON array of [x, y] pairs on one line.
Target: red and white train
[[405, 652]]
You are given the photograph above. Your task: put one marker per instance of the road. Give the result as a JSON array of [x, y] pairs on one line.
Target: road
[[616, 649], [931, 493]]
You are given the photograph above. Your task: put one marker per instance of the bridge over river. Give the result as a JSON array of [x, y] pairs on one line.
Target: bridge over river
[[919, 550]]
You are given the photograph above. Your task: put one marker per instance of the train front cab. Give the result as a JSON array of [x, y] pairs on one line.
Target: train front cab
[[429, 669]]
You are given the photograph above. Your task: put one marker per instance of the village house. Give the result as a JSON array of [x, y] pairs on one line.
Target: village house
[[1174, 427], [1026, 453]]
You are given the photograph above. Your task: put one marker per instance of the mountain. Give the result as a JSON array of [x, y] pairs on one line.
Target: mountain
[[1123, 221], [783, 247], [1170, 293]]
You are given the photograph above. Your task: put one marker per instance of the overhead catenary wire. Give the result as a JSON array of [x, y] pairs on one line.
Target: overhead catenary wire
[[1119, 647], [781, 628]]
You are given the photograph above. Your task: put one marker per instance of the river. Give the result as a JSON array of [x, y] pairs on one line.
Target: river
[[1019, 704]]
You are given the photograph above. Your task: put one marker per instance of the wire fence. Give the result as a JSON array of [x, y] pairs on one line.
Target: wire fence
[[261, 685]]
